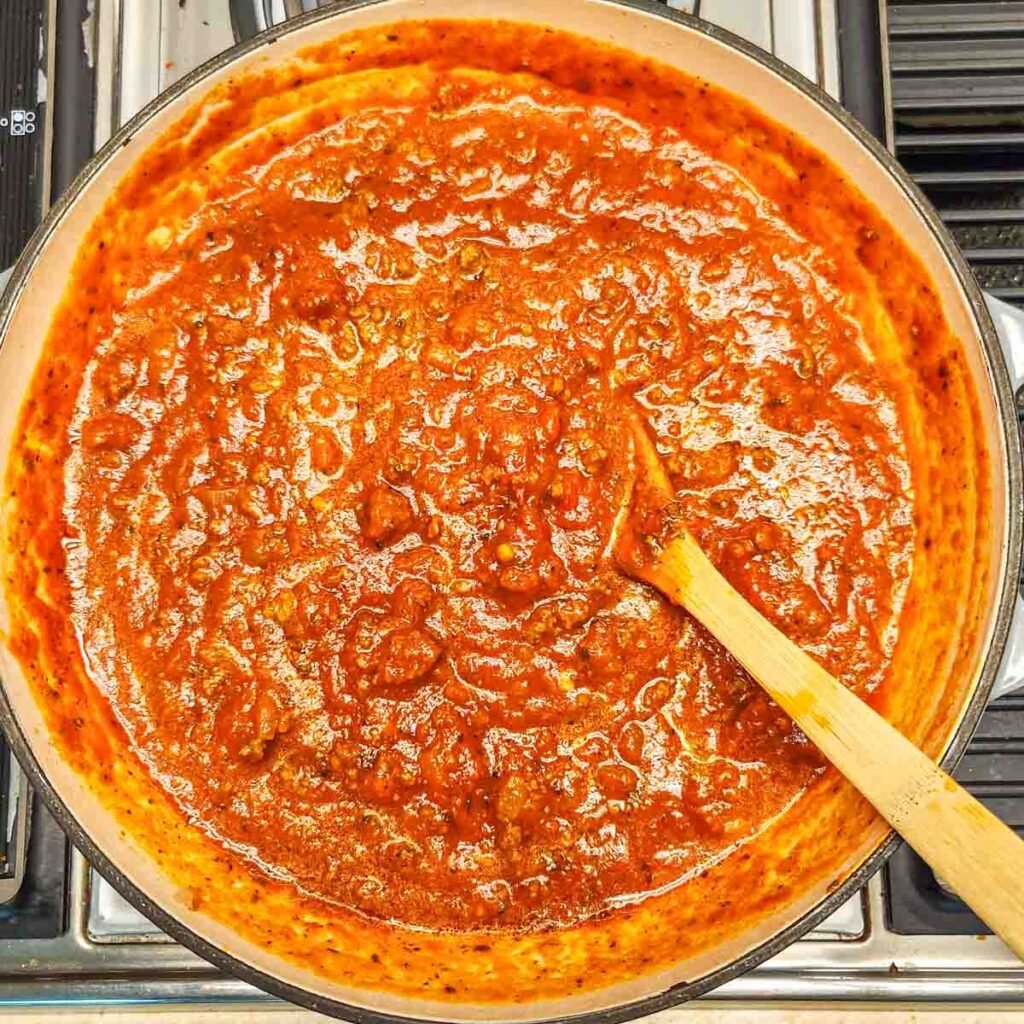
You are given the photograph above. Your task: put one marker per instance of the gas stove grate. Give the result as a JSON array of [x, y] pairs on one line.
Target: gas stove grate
[[958, 106]]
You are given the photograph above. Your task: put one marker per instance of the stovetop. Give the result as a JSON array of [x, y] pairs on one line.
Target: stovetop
[[73, 70]]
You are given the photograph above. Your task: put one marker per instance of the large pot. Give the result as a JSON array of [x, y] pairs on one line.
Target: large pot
[[652, 30]]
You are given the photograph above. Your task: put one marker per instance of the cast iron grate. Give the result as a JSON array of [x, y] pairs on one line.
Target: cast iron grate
[[958, 110], [958, 107]]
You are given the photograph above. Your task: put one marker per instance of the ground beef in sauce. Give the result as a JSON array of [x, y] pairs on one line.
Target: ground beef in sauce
[[342, 476]]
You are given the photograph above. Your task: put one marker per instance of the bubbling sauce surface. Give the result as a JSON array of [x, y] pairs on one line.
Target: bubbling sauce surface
[[343, 466]]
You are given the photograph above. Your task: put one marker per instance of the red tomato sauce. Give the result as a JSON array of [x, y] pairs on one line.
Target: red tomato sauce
[[341, 463]]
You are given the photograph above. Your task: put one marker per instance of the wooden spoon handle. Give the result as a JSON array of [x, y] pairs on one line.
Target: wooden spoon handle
[[965, 844]]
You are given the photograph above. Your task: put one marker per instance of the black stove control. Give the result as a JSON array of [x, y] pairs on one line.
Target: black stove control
[[22, 118]]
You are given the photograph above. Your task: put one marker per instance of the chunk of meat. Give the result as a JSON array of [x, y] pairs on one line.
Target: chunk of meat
[[388, 514], [408, 654]]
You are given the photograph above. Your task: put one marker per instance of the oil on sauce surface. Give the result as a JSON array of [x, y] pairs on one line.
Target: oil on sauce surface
[[342, 466]]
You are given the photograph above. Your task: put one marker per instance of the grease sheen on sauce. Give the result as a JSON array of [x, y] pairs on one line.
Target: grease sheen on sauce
[[343, 470]]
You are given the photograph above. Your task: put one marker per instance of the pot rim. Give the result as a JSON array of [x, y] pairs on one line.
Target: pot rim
[[1007, 415]]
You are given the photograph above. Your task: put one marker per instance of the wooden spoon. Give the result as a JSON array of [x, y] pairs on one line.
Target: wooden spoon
[[965, 844]]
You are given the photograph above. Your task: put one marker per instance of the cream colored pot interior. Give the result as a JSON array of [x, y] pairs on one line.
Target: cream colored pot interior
[[673, 43]]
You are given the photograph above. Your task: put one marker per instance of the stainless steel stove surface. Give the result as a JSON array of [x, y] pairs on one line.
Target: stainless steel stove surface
[[67, 937]]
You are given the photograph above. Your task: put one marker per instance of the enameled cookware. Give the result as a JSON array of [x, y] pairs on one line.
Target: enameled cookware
[[996, 362]]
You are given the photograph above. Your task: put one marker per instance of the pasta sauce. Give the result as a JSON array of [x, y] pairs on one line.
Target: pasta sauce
[[337, 456]]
